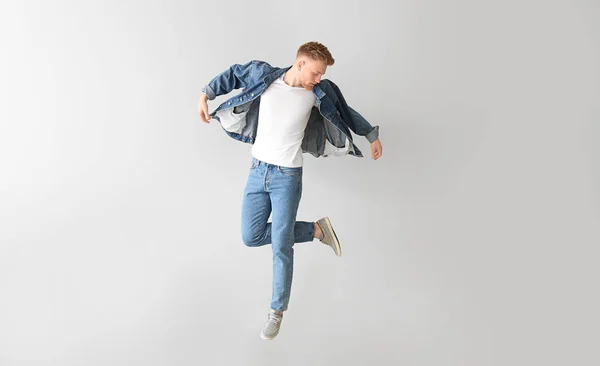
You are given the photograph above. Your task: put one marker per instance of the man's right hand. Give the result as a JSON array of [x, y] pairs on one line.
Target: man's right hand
[[203, 108]]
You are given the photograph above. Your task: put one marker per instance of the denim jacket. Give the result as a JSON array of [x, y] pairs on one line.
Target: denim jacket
[[329, 125]]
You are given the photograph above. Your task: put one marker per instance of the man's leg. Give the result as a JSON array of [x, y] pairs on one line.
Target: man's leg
[[285, 191], [256, 208]]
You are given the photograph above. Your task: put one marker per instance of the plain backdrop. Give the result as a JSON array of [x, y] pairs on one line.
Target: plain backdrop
[[472, 241]]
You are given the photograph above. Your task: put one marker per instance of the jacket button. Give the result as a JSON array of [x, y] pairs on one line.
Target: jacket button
[[252, 94], [228, 102]]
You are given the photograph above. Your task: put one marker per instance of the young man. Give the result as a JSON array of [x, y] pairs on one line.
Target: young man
[[298, 112]]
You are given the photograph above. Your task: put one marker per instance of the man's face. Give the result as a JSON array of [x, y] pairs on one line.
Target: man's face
[[311, 72]]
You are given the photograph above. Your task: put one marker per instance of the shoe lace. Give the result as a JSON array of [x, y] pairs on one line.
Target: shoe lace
[[274, 318]]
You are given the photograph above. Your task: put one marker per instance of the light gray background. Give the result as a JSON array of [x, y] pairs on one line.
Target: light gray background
[[472, 241]]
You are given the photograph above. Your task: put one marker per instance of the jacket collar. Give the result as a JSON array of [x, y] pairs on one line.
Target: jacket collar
[[277, 73], [318, 91]]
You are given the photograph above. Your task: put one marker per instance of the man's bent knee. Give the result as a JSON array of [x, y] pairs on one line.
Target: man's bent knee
[[251, 239]]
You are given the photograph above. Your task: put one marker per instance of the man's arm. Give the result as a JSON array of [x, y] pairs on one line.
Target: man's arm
[[235, 77], [357, 123], [362, 127]]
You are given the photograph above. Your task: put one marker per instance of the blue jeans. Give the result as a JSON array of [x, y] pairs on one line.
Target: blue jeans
[[277, 190]]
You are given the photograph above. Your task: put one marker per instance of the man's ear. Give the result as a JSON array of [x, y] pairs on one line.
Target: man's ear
[[300, 64]]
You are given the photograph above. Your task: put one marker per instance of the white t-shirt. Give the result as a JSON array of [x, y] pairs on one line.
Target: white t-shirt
[[282, 118]]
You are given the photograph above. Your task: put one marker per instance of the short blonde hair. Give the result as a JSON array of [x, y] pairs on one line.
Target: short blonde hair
[[316, 51]]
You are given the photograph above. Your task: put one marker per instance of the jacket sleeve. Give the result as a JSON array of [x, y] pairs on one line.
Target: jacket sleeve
[[235, 77], [355, 121]]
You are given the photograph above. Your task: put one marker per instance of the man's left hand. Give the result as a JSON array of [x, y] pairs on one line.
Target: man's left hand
[[376, 149]]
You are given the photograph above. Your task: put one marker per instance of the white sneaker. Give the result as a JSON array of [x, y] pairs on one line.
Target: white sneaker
[[271, 329], [329, 236]]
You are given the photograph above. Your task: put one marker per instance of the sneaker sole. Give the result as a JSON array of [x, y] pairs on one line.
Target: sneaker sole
[[268, 338], [336, 242]]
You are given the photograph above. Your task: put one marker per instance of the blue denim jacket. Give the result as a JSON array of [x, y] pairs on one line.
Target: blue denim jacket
[[329, 125]]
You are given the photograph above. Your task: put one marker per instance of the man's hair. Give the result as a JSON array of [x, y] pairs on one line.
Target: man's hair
[[316, 51]]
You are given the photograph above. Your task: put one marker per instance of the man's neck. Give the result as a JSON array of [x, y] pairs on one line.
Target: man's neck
[[291, 78]]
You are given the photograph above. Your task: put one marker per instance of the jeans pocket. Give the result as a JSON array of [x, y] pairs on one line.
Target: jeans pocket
[[294, 172]]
